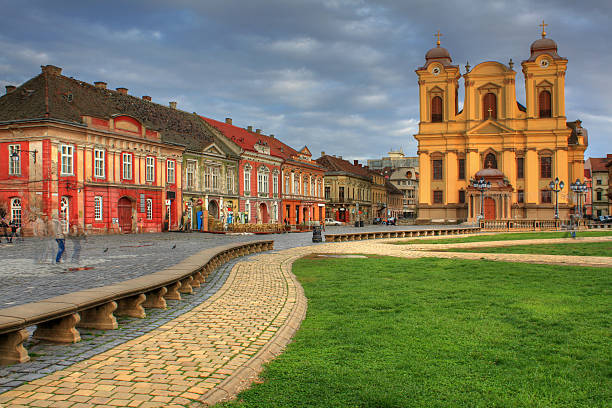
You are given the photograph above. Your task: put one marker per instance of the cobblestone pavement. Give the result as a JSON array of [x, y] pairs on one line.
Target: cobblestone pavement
[[27, 274], [210, 351]]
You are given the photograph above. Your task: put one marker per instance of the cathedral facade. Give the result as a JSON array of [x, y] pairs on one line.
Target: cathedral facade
[[518, 149]]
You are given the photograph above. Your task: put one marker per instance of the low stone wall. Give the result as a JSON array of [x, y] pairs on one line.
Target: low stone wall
[[58, 319], [358, 236]]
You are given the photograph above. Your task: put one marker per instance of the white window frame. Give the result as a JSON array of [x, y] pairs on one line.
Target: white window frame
[[170, 171], [287, 185], [150, 169], [296, 181], [16, 210], [216, 178], [98, 208], [67, 160], [14, 165], [230, 180], [263, 180], [190, 173], [275, 183], [149, 208], [127, 166], [99, 163], [247, 181]]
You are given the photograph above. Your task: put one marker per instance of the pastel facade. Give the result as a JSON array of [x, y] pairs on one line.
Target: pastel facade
[[520, 149], [86, 154], [598, 199]]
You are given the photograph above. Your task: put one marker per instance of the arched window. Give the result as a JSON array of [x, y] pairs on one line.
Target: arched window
[[436, 109], [490, 161], [489, 106], [545, 106], [16, 210]]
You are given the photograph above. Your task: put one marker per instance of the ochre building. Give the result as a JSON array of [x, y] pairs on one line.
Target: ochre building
[[519, 148]]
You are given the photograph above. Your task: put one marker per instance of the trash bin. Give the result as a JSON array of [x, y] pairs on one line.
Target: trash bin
[[316, 234]]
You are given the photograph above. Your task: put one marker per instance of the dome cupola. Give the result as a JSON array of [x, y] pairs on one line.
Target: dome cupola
[[543, 46], [438, 53]]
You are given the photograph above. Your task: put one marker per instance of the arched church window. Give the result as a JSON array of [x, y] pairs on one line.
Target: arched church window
[[436, 109], [490, 161], [489, 106], [545, 104]]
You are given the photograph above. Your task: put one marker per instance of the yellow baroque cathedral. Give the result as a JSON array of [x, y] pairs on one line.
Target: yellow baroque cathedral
[[517, 148]]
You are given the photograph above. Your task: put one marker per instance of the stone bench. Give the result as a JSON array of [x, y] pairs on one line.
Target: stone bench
[[57, 319], [358, 236]]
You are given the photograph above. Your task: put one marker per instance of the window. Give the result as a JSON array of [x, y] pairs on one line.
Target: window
[[599, 182], [436, 109], [150, 169], [489, 106], [304, 186], [208, 178], [275, 183], [341, 194], [263, 180], [319, 188], [599, 193], [287, 186], [545, 105], [546, 196], [14, 162], [437, 169], [520, 167], [16, 210], [327, 192], [190, 173], [127, 166], [520, 198], [247, 180], [216, 178], [437, 197], [545, 167], [230, 180], [461, 196], [149, 209], [296, 184], [98, 208], [99, 171], [67, 159], [461, 169], [170, 173]]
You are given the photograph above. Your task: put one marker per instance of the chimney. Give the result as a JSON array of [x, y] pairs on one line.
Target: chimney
[[100, 84], [250, 128], [146, 98], [322, 153], [340, 157], [228, 121], [258, 131], [172, 104], [272, 135], [10, 88], [356, 162], [122, 90], [51, 70]]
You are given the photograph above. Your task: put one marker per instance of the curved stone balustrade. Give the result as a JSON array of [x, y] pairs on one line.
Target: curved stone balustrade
[[57, 319], [358, 236]]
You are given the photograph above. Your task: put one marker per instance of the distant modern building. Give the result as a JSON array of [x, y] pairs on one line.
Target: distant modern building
[[600, 201], [403, 173], [395, 160]]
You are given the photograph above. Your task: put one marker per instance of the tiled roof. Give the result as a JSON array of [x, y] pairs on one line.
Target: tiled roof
[[54, 96], [598, 164], [333, 164]]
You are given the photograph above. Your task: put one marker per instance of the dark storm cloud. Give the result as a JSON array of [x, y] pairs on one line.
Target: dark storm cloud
[[336, 75]]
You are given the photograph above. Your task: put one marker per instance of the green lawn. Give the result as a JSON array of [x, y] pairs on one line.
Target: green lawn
[[389, 332], [575, 248], [505, 237]]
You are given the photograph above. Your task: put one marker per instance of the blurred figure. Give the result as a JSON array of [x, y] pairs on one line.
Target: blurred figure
[[77, 236], [60, 237]]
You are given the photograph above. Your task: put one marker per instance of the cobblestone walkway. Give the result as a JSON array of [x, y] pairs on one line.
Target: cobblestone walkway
[[216, 349]]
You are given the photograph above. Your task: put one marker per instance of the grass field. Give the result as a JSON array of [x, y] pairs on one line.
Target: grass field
[[575, 249], [389, 332], [505, 237]]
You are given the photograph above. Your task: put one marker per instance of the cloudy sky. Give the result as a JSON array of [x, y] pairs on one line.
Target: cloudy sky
[[336, 75]]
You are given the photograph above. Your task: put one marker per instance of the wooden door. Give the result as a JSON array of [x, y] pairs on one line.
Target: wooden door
[[125, 214], [489, 208]]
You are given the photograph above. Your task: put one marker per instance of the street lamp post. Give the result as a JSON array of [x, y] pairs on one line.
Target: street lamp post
[[579, 188], [556, 186], [482, 186]]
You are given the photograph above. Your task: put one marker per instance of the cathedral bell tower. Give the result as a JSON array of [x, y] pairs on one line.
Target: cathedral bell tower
[[545, 81]]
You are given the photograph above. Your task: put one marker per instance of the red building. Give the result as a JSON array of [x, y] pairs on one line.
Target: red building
[[259, 172], [101, 159]]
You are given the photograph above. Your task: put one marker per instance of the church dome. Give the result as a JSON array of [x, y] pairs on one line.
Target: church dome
[[544, 44], [439, 54]]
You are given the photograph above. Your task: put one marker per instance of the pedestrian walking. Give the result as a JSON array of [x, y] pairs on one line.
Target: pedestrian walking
[[60, 237], [13, 225], [77, 236]]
